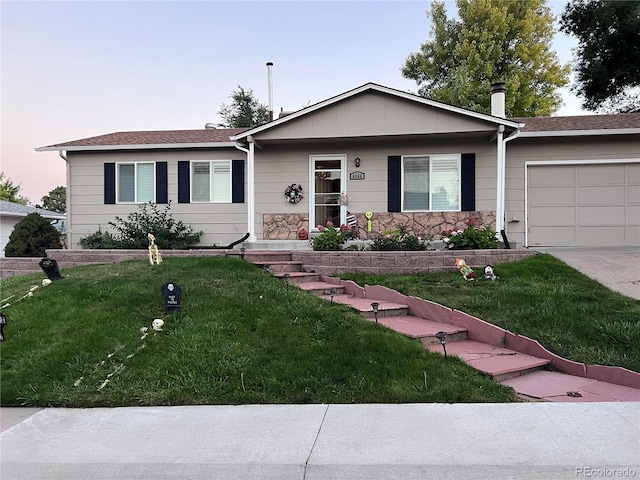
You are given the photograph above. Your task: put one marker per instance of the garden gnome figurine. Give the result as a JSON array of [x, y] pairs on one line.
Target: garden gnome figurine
[[154, 254], [466, 271]]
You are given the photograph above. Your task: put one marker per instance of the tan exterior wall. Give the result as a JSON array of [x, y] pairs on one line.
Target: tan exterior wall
[[555, 149], [221, 223], [374, 114], [278, 166]]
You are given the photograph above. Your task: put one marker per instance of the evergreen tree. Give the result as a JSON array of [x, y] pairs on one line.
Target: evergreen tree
[[31, 236]]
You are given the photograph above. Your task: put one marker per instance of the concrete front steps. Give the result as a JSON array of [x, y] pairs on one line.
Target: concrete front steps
[[523, 364]]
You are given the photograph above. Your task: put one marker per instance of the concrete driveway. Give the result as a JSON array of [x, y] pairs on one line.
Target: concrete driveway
[[615, 267]]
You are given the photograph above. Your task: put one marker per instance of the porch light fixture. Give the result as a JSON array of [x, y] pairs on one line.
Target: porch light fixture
[[357, 162], [375, 306], [442, 336], [332, 292], [286, 278]]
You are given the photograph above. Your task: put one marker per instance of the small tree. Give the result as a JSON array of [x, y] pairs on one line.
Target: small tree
[[55, 200], [244, 111], [10, 192], [31, 237]]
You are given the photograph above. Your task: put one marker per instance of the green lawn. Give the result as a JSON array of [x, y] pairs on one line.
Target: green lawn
[[241, 337], [569, 313]]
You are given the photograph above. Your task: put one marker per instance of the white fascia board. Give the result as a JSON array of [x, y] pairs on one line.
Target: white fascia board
[[155, 146], [592, 161], [48, 216], [378, 88], [582, 133]]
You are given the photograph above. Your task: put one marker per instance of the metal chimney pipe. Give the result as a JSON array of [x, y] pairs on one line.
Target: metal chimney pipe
[[270, 74], [498, 93]]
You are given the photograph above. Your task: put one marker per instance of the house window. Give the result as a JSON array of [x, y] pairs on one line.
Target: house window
[[431, 183], [211, 181], [136, 182]]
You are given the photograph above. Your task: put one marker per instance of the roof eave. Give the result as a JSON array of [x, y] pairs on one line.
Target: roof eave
[[154, 146], [581, 133]]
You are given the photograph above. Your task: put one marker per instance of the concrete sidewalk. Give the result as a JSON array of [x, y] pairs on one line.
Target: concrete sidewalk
[[408, 441]]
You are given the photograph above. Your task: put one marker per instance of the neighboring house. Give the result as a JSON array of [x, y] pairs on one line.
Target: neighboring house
[[11, 213], [570, 181]]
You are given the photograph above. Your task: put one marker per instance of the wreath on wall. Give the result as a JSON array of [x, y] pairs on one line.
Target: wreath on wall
[[293, 193]]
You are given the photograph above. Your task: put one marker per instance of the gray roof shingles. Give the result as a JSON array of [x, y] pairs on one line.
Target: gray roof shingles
[[581, 122], [11, 209]]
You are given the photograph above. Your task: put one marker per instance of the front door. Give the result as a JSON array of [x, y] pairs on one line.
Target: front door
[[328, 184]]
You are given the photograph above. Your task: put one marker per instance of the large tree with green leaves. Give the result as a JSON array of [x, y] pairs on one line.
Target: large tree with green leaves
[[244, 110], [55, 200], [493, 40], [607, 64], [10, 192]]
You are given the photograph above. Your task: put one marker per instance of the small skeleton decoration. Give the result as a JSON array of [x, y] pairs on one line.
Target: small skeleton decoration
[[157, 324], [154, 254]]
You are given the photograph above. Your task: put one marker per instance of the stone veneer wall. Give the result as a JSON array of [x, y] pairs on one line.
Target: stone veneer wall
[[426, 224], [336, 263]]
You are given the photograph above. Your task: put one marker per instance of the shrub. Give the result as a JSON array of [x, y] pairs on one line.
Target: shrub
[[399, 239], [470, 239], [331, 238], [132, 232], [31, 237], [98, 240]]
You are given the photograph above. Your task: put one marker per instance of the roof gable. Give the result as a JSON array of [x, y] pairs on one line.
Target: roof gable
[[404, 103]]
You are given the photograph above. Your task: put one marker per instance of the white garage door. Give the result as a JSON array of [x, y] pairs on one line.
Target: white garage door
[[583, 205]]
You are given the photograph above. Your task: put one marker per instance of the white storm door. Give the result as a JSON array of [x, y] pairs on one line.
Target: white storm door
[[328, 183]]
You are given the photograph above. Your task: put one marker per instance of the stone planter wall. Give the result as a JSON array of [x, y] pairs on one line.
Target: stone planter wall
[[336, 263], [285, 226]]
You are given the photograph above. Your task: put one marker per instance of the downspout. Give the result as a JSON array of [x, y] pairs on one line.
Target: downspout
[[250, 188], [503, 175], [500, 179], [67, 199]]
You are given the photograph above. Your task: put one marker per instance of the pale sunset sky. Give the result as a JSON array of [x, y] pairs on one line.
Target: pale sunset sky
[[76, 69]]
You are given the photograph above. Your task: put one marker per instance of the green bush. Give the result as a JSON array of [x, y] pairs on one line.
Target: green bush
[[331, 238], [471, 239], [98, 240], [399, 239], [132, 232], [31, 237]]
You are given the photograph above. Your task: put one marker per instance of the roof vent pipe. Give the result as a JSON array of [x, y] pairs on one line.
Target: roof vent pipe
[[270, 74], [210, 126], [498, 93]]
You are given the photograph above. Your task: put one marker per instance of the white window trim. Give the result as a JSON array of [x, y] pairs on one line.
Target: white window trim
[[211, 162], [431, 157], [135, 182]]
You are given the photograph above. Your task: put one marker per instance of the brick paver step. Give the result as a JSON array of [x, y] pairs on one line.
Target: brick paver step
[[321, 288], [280, 266], [423, 329], [500, 363], [297, 278], [364, 307]]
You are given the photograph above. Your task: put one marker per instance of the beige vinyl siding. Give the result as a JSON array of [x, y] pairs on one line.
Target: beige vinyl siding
[[559, 151], [221, 223], [278, 166], [374, 114]]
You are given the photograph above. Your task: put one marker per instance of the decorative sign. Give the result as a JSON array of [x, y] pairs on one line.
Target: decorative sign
[[172, 294], [50, 267], [356, 176]]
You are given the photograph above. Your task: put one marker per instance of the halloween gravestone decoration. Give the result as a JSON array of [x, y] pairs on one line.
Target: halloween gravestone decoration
[[172, 294], [50, 267], [3, 323]]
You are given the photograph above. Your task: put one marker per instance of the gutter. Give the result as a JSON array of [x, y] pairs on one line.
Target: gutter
[[250, 187], [502, 175]]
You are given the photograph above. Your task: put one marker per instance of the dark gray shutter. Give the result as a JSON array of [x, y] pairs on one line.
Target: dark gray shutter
[[109, 183], [162, 195], [184, 186], [468, 182], [394, 184], [237, 181]]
